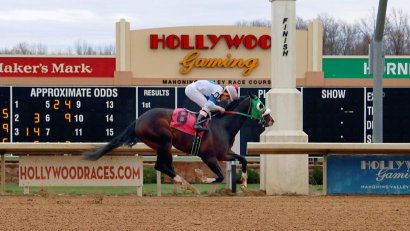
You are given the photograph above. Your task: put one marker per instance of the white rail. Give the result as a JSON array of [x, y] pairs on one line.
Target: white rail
[[327, 148]]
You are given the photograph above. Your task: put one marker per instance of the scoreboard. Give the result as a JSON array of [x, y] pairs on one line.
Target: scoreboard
[[151, 97], [333, 114], [98, 113], [5, 114], [74, 114], [396, 115], [346, 114]]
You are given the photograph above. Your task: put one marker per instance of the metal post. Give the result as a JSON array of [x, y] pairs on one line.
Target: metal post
[[3, 174], [159, 191], [378, 70], [233, 177]]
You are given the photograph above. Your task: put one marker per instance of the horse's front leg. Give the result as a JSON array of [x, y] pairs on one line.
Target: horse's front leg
[[244, 163]]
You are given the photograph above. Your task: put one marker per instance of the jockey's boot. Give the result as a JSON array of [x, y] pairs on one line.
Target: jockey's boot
[[200, 121]]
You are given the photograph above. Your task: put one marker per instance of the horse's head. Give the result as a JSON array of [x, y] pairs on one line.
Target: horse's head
[[259, 111], [252, 107]]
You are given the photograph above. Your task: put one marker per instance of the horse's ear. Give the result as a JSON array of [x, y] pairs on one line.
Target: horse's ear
[[253, 96]]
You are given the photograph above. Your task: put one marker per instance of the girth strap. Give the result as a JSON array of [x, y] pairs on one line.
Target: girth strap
[[196, 144]]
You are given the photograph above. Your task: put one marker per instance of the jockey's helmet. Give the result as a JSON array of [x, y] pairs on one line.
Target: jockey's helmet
[[232, 90]]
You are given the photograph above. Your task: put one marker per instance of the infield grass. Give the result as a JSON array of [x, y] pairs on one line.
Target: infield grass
[[148, 190]]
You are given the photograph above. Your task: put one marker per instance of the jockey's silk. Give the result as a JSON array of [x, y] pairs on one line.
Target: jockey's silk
[[184, 121], [201, 90]]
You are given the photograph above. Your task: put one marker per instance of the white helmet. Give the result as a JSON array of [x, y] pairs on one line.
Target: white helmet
[[232, 91]]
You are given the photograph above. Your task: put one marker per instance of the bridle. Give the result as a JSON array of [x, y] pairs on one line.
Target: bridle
[[250, 113]]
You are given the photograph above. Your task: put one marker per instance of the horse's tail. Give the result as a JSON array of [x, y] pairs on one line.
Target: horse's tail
[[127, 137]]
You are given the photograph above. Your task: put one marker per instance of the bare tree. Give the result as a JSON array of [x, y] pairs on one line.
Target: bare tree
[[366, 27], [339, 37], [254, 23], [83, 48], [5, 51], [80, 48], [349, 38], [301, 24], [397, 33], [331, 31], [22, 48], [39, 49], [106, 50]]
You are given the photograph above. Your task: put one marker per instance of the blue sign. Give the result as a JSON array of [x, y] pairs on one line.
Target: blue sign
[[368, 174]]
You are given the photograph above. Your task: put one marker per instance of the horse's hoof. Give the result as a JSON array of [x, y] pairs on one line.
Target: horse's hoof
[[181, 182], [244, 185], [196, 192], [192, 189], [213, 188], [200, 174], [244, 188]]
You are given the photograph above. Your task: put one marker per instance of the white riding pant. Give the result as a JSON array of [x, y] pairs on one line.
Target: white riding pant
[[195, 95]]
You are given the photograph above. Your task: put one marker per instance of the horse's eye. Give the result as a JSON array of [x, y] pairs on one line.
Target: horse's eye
[[260, 106]]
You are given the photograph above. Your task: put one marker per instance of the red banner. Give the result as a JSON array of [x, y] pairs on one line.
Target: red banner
[[72, 67]]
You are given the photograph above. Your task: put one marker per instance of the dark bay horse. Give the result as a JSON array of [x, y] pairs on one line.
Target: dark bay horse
[[153, 129]]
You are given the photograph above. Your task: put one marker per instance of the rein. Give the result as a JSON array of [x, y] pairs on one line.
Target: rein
[[248, 115], [231, 113], [241, 114]]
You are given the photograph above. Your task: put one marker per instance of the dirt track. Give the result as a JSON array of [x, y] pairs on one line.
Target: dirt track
[[205, 213]]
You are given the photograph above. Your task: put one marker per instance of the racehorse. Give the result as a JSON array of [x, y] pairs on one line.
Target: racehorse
[[153, 128]]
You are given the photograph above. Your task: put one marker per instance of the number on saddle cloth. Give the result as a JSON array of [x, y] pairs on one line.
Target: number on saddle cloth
[[184, 121]]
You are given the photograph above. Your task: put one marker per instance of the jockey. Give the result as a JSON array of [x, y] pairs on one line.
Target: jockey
[[206, 94]]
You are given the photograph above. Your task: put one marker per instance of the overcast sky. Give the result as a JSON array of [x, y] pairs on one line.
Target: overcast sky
[[59, 23]]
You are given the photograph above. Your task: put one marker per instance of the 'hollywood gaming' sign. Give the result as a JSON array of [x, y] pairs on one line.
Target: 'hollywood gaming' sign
[[365, 174]]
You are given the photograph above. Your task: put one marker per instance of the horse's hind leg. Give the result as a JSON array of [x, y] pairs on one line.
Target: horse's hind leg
[[212, 163], [164, 165]]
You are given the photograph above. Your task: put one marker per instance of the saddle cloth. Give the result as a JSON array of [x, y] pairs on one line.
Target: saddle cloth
[[184, 121]]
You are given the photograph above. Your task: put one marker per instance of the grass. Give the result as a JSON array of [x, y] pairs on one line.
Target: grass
[[148, 190], [315, 189]]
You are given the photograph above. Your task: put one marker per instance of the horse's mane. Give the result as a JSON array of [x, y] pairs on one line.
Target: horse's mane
[[232, 105]]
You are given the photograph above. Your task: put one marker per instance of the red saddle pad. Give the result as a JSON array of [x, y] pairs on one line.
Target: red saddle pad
[[184, 121]]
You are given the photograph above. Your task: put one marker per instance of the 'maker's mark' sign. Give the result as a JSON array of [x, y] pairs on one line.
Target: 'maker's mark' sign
[[57, 67]]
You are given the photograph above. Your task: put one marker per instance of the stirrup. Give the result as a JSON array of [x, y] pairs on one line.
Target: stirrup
[[200, 128]]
